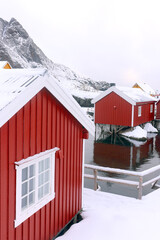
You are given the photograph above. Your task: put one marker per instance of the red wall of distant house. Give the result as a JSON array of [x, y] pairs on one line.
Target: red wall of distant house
[[158, 110], [146, 115], [43, 123], [114, 110]]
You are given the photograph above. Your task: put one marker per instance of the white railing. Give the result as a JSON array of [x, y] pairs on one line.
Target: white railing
[[140, 175]]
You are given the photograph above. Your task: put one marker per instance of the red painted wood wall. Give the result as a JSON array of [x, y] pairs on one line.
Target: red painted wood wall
[[43, 123], [146, 116], [114, 110], [158, 110]]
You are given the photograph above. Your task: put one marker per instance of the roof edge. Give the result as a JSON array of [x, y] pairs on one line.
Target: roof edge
[[115, 90], [48, 82]]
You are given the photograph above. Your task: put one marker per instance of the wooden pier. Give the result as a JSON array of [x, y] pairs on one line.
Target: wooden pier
[[139, 184]]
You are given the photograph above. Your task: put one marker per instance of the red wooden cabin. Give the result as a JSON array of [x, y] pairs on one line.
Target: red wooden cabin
[[41, 155], [124, 106]]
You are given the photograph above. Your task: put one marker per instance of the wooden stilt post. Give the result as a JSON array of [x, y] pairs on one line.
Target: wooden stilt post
[[95, 179], [140, 187]]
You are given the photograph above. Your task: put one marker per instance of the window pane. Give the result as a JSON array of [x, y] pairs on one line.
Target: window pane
[[24, 174], [46, 188], [24, 203], [31, 184], [24, 188], [41, 179], [31, 198], [41, 166], [47, 163], [139, 111], [32, 171], [46, 176], [40, 192]]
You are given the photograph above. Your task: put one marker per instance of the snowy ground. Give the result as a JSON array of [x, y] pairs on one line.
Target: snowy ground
[[108, 216]]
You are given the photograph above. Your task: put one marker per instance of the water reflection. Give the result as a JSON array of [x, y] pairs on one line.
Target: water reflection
[[123, 153], [157, 144], [119, 152]]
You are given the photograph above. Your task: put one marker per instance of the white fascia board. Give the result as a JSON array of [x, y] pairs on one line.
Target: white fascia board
[[83, 161], [132, 119], [70, 104], [118, 92], [52, 86]]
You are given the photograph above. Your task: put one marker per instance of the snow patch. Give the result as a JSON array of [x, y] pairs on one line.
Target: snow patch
[[149, 128], [136, 133], [135, 142]]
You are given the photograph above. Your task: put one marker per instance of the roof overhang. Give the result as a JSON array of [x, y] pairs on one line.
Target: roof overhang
[[51, 84], [115, 90]]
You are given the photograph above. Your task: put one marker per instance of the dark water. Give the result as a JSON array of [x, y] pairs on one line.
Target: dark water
[[119, 152]]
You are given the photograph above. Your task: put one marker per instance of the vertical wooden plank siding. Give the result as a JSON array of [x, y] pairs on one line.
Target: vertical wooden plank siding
[[26, 149], [61, 173], [49, 146], [53, 144], [66, 184], [19, 156], [33, 118], [43, 123], [57, 170], [4, 182], [38, 150], [72, 202], [158, 110], [68, 168], [12, 182], [44, 147]]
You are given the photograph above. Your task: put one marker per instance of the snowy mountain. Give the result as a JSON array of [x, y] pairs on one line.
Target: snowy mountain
[[20, 51]]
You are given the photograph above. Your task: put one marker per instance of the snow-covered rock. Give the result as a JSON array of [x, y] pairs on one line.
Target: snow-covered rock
[[20, 51], [136, 133], [136, 143], [149, 128]]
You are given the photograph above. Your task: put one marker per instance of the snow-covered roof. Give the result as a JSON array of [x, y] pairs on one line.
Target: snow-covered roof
[[131, 95], [3, 64], [18, 86], [145, 87]]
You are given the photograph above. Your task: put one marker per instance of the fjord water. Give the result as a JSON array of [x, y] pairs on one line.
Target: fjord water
[[123, 153]]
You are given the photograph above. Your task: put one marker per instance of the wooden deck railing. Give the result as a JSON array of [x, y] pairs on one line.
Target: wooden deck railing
[[139, 175]]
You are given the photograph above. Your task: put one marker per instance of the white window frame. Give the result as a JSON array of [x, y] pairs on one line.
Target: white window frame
[[22, 215], [139, 111], [151, 108]]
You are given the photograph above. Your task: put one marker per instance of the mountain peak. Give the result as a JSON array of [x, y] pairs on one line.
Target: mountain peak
[[20, 51], [13, 20]]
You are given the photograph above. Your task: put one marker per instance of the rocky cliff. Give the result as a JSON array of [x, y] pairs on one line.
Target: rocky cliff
[[18, 48]]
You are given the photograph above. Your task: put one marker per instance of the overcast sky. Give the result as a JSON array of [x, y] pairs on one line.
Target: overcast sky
[[112, 40]]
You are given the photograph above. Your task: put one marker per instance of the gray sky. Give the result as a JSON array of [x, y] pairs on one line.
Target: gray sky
[[112, 40]]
